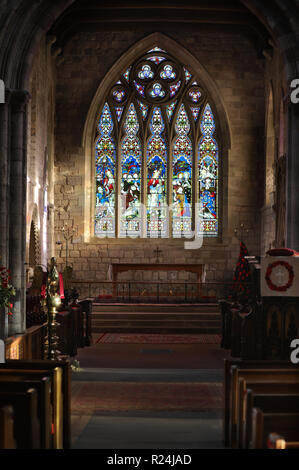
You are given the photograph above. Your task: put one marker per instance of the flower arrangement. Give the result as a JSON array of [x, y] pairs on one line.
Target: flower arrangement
[[6, 289]]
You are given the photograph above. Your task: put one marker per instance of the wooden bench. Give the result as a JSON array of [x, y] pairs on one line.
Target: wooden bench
[[279, 443], [66, 388], [263, 424], [269, 401], [25, 416], [228, 363], [56, 394], [45, 411], [278, 375], [7, 440]]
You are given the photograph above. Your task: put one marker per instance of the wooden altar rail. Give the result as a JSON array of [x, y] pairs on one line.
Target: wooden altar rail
[[139, 291]]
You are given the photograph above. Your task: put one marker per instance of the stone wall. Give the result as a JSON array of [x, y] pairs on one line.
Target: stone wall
[[275, 142], [40, 166], [232, 62]]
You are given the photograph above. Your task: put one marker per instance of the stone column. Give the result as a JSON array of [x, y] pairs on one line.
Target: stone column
[[292, 240], [4, 196], [17, 208]]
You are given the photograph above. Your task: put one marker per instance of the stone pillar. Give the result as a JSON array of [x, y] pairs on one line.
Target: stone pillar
[[293, 178], [4, 197], [17, 208]]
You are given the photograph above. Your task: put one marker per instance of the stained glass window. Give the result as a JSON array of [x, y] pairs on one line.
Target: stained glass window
[[182, 178], [208, 176], [131, 158], [157, 155], [105, 177], [157, 209]]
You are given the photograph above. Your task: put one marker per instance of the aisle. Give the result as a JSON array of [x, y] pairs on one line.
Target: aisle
[[148, 402]]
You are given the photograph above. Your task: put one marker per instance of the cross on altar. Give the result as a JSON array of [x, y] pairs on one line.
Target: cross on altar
[[158, 252]]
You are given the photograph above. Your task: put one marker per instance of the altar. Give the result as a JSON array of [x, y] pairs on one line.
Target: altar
[[116, 269]]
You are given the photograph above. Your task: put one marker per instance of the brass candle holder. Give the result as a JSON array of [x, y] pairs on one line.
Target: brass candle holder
[[51, 304]]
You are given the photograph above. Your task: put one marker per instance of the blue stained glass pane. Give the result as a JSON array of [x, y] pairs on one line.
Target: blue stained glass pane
[[182, 178], [168, 73], [208, 177], [195, 112], [131, 188], [146, 72], [157, 91], [106, 123], [119, 112], [157, 211], [105, 189]]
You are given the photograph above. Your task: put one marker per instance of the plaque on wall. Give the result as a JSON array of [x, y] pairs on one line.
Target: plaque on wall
[[280, 276]]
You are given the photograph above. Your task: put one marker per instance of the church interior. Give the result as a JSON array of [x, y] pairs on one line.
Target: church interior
[[149, 224]]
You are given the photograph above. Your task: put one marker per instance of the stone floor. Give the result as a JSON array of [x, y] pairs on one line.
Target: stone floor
[[148, 397]]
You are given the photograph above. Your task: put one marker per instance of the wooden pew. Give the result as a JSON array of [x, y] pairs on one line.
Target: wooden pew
[[56, 394], [66, 387], [278, 375], [264, 424], [25, 415], [45, 412], [228, 363], [7, 440], [270, 400], [279, 443]]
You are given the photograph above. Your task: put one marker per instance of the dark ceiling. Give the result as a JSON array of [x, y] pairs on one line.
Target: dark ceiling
[[162, 16]]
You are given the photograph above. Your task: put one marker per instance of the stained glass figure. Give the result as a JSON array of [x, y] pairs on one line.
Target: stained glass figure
[[157, 211], [146, 72], [208, 177], [167, 109], [131, 157], [105, 177], [174, 88], [168, 73], [182, 178], [157, 91]]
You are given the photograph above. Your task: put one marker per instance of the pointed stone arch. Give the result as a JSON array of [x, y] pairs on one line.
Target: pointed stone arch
[[206, 81]]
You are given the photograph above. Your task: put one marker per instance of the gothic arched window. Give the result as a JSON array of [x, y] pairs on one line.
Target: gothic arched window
[[156, 154]]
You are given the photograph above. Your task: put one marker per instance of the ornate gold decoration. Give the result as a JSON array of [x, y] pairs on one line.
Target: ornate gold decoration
[[51, 304]]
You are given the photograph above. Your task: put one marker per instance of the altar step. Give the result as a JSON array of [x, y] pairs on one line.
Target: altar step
[[152, 308], [164, 320]]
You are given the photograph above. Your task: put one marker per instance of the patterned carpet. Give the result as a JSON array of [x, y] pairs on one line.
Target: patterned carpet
[[93, 397], [132, 338]]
